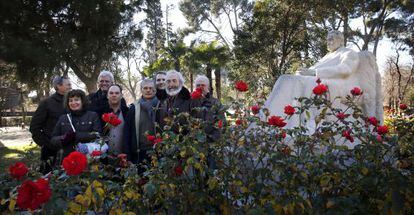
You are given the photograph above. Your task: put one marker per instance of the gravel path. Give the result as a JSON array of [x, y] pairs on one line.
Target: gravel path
[[15, 137]]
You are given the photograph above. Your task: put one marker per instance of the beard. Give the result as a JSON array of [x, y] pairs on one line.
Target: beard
[[173, 91]]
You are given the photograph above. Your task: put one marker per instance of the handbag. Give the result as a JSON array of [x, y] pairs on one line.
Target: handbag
[[88, 148]]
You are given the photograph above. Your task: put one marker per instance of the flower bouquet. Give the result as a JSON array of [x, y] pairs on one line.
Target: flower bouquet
[[111, 120], [100, 144]]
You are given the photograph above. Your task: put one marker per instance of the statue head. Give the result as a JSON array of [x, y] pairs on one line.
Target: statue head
[[334, 40]]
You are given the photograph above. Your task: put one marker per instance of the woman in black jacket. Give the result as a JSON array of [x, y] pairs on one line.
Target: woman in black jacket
[[78, 126]]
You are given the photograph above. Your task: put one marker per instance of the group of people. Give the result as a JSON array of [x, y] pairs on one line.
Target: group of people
[[69, 117]]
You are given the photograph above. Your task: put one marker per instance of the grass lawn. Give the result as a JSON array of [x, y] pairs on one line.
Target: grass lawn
[[16, 145]]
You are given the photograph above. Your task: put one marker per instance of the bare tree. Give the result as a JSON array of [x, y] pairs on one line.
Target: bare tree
[[398, 79]]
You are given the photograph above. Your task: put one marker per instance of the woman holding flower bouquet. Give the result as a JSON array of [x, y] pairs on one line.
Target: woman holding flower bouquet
[[78, 126]]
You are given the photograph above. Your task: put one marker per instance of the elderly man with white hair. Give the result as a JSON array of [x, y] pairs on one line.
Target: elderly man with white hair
[[207, 108], [139, 122], [178, 98], [98, 101]]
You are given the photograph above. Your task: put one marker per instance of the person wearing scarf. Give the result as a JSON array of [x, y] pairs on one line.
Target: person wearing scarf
[[139, 123]]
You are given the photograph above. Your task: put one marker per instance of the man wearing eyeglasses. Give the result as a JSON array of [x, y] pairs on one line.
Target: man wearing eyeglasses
[[44, 121], [98, 101]]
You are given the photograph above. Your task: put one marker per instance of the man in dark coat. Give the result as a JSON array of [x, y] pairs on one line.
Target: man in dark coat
[[44, 121], [207, 108], [139, 123], [178, 101], [98, 101]]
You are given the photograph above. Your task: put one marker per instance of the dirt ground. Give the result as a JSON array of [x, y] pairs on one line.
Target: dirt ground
[[16, 144]]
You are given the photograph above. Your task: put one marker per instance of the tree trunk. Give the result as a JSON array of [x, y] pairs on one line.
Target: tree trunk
[[88, 74], [218, 82], [191, 81], [208, 74], [90, 85]]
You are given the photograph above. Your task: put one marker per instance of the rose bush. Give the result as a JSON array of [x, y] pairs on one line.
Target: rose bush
[[350, 163]]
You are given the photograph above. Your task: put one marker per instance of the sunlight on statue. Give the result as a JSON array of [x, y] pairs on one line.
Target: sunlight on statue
[[341, 69]]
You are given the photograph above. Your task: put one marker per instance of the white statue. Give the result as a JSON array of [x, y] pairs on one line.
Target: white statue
[[341, 69]]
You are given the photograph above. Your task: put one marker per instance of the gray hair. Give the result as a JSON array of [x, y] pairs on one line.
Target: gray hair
[[58, 80], [174, 72], [106, 73], [202, 78], [147, 81]]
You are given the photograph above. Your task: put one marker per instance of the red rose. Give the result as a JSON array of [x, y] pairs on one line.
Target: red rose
[[75, 163], [115, 121], [356, 91], [373, 121], [153, 139], [283, 134], [156, 141], [178, 170], [220, 124], [239, 121], [31, 195], [197, 93], [276, 121], [379, 138], [96, 153], [342, 115], [403, 106], [255, 109], [18, 170], [382, 129], [320, 89], [241, 86], [106, 117], [150, 138], [289, 110], [347, 135]]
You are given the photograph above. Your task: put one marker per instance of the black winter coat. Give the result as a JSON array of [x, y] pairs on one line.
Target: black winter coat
[[208, 109], [84, 122], [43, 123], [98, 102], [173, 106]]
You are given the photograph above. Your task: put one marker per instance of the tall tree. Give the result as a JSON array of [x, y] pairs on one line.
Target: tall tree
[[272, 40], [156, 33], [38, 36], [217, 14], [212, 57], [398, 81]]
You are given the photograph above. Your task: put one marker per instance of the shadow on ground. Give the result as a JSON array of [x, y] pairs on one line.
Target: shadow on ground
[[29, 155]]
